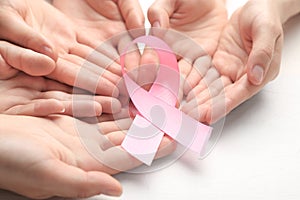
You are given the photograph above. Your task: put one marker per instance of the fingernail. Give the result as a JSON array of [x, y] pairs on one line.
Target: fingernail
[[49, 52], [115, 93], [113, 192], [156, 24], [258, 74], [62, 110]]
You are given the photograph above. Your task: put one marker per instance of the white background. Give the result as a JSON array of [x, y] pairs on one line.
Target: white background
[[257, 156]]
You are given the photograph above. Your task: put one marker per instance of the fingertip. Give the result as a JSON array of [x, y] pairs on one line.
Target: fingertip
[[256, 75], [116, 106], [50, 52], [110, 186], [158, 17], [47, 107], [135, 21], [97, 108], [37, 64], [115, 92]]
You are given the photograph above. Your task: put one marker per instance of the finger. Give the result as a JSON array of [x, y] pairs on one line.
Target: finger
[[70, 181], [17, 31], [26, 60], [133, 15], [132, 55], [124, 113], [200, 97], [211, 75], [200, 67], [160, 12], [104, 56], [211, 111], [242, 89], [262, 53], [6, 71], [166, 146], [82, 108], [113, 126], [117, 159], [147, 71], [184, 70], [75, 105], [40, 108], [100, 70], [38, 83], [74, 75], [108, 104]]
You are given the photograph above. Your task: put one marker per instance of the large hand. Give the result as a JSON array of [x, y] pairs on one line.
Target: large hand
[[39, 96], [28, 23], [247, 58], [49, 158]]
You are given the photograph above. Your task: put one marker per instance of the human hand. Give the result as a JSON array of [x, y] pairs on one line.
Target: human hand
[[104, 20], [33, 22], [49, 158], [247, 58], [38, 96], [14, 58], [258, 38], [201, 20]]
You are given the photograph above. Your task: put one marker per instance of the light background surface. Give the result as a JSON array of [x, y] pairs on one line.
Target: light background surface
[[257, 156]]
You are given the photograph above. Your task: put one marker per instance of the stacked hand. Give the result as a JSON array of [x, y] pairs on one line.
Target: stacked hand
[[45, 50], [38, 26], [247, 58], [45, 157]]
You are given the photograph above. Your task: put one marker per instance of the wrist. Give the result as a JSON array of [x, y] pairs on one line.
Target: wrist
[[287, 9]]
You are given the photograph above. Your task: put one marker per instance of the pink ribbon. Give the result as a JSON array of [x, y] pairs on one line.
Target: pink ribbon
[[157, 112]]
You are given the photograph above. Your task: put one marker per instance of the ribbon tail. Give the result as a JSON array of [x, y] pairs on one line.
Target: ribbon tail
[[142, 142]]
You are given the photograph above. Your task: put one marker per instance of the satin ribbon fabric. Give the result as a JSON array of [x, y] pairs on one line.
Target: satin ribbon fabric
[[157, 112]]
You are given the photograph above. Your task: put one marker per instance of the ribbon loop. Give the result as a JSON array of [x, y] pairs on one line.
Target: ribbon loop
[[158, 114]]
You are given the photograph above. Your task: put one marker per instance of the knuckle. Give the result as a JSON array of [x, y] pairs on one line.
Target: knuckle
[[266, 52], [275, 28]]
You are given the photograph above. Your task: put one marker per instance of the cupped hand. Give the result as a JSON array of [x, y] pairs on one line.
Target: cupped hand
[[51, 158], [250, 43], [201, 23], [98, 21], [200, 20], [36, 24], [247, 58], [38, 96], [15, 19]]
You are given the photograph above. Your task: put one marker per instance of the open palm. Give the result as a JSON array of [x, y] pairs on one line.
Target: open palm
[[62, 156], [243, 45]]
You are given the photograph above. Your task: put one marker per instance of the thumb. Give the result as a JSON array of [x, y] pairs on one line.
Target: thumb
[[25, 60], [132, 13], [160, 12], [261, 55], [15, 30]]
